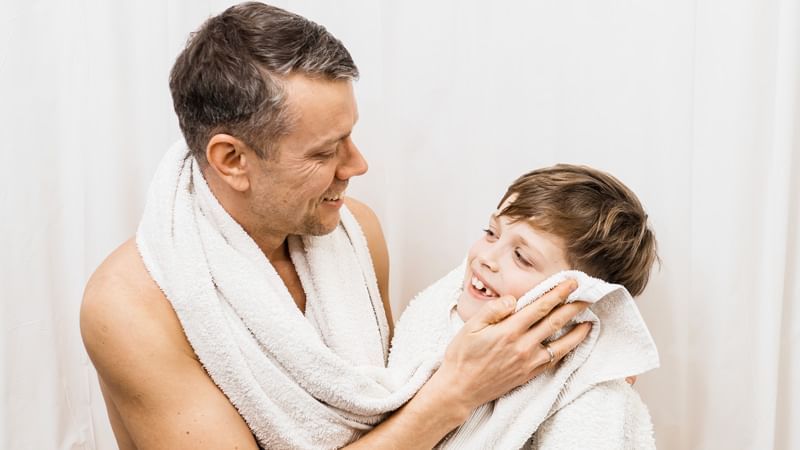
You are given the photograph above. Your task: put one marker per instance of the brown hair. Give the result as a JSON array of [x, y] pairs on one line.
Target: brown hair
[[227, 79], [601, 221]]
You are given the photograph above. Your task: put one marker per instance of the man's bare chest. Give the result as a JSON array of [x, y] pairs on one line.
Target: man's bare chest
[[292, 282]]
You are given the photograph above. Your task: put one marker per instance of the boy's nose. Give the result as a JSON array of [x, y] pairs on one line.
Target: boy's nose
[[487, 260]]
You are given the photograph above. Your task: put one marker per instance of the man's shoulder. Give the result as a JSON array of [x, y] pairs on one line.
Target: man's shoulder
[[123, 308], [362, 212], [155, 388], [368, 221], [121, 282], [370, 226], [122, 272]]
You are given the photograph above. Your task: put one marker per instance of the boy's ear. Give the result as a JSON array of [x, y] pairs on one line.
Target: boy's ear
[[230, 159]]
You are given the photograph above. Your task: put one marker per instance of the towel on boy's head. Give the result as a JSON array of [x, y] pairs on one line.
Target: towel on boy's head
[[619, 345]]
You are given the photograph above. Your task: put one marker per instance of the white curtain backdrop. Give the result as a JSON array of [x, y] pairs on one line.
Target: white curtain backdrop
[[693, 103]]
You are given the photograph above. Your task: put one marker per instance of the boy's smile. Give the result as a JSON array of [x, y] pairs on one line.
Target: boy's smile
[[510, 259]]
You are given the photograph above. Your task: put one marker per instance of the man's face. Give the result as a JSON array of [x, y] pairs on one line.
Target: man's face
[[510, 259], [300, 188]]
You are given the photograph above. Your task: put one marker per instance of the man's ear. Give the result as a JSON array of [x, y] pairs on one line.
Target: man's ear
[[229, 158]]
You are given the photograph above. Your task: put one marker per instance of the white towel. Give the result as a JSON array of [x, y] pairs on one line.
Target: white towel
[[299, 382], [609, 416], [619, 345]]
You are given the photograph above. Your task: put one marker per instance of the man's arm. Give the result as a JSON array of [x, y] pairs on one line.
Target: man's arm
[[158, 394], [493, 354]]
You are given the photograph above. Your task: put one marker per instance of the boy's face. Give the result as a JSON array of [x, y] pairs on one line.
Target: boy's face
[[510, 259]]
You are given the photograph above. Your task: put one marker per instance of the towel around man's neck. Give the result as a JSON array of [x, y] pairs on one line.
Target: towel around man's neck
[[313, 381]]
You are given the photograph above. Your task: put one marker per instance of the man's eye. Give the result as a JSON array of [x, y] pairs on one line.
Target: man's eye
[[328, 154]]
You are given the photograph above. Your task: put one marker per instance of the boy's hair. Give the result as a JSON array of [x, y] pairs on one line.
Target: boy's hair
[[602, 223]]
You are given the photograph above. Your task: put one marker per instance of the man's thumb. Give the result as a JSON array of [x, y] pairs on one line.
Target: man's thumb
[[495, 310]]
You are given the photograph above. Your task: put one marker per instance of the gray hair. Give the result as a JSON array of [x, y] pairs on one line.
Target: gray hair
[[228, 78]]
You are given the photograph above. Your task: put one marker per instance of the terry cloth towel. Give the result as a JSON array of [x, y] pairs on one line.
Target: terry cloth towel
[[313, 381], [619, 345]]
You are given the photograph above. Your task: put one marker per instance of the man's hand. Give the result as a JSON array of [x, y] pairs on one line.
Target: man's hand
[[497, 351]]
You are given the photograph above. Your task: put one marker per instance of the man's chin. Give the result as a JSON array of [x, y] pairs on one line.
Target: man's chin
[[320, 228]]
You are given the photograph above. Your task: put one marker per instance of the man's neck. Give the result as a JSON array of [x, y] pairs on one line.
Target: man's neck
[[273, 245], [277, 252], [275, 248]]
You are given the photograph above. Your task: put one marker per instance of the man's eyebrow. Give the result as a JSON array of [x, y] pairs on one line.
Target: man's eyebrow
[[330, 141], [334, 139]]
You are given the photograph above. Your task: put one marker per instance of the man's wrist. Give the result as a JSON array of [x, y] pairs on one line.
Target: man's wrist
[[443, 398]]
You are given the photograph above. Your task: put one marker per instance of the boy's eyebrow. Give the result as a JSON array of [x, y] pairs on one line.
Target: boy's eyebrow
[[532, 248]]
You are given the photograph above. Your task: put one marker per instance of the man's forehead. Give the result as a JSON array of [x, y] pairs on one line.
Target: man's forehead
[[322, 111]]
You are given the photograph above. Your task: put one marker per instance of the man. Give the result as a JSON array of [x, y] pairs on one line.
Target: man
[[265, 102]]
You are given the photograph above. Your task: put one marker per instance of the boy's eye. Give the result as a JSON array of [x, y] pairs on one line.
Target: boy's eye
[[522, 259], [489, 233]]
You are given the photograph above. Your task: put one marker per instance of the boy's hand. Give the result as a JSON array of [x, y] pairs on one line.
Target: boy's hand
[[497, 351]]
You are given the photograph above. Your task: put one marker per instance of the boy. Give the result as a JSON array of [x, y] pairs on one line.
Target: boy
[[549, 221], [559, 218]]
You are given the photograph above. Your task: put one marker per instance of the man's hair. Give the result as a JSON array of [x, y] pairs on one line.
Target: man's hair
[[602, 223], [228, 78]]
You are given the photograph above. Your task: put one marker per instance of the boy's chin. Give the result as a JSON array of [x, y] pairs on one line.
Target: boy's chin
[[466, 306]]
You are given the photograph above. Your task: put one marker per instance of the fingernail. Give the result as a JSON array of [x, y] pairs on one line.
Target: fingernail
[[572, 285]]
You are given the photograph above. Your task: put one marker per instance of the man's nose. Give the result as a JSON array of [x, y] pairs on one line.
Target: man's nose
[[353, 162]]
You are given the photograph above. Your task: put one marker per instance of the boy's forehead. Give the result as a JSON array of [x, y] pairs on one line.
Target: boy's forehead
[[508, 201], [530, 221]]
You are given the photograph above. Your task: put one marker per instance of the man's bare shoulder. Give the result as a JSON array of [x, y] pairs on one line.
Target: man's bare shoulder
[[378, 250], [157, 392], [370, 225], [123, 272], [122, 306]]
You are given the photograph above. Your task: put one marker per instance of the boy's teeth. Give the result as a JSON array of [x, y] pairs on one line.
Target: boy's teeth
[[478, 284]]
